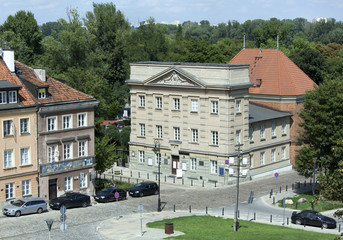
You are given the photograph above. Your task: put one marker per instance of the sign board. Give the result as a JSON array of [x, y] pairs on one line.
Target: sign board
[[63, 218], [116, 195], [179, 173], [63, 209], [276, 175], [140, 207], [63, 227], [227, 162]]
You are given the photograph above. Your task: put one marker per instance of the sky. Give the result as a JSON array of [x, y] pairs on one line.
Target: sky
[[169, 11]]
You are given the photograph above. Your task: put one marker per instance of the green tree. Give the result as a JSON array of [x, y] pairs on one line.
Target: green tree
[[322, 116]]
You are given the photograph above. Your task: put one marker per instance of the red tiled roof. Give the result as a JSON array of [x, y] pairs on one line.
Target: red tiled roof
[[279, 75], [57, 91], [5, 75]]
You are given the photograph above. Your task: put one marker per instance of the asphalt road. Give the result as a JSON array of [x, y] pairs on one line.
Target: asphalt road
[[82, 222]]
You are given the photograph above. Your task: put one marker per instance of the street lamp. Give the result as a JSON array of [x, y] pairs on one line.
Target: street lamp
[[314, 181], [236, 223], [156, 150], [49, 222]]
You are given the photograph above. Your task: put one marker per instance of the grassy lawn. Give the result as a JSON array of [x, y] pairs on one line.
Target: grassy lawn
[[318, 206], [209, 227]]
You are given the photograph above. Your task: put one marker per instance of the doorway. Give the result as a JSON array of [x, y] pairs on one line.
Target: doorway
[[175, 164], [52, 188]]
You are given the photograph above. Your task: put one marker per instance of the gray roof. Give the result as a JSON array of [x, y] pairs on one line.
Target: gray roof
[[258, 113], [6, 84], [190, 64]]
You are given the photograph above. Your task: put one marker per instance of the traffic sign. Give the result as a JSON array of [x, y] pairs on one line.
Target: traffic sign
[[63, 217], [276, 175], [227, 162], [116, 195], [63, 209], [63, 227]]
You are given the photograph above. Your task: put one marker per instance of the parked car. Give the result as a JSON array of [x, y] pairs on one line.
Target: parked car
[[143, 189], [25, 206], [107, 194], [312, 218], [69, 200]]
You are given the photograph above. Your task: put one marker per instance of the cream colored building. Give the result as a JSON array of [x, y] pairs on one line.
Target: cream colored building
[[200, 113]]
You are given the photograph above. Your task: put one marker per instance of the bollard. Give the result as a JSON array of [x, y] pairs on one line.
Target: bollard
[[310, 182], [254, 216], [173, 180], [238, 214], [190, 208], [130, 173], [287, 220], [156, 177], [165, 178], [215, 184], [339, 227], [270, 194], [286, 187], [182, 181], [137, 181], [147, 175], [112, 177], [174, 207], [112, 170], [292, 186], [121, 172], [223, 212], [139, 174], [305, 183], [304, 222], [202, 183], [206, 209], [271, 218], [273, 200], [120, 178], [128, 180], [191, 182], [280, 189]]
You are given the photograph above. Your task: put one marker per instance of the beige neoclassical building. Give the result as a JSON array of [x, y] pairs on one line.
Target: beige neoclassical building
[[200, 113]]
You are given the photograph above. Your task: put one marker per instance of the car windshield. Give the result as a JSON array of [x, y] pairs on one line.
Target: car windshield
[[139, 185], [18, 203], [107, 190], [65, 195]]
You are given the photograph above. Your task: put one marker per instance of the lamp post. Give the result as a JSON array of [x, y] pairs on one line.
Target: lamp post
[[236, 223], [156, 150], [314, 181], [49, 222]]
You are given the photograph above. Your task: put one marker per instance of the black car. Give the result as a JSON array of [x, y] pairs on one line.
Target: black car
[[69, 200], [107, 194], [143, 189], [312, 218]]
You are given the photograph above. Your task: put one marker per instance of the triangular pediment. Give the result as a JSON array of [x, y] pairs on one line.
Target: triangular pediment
[[174, 77]]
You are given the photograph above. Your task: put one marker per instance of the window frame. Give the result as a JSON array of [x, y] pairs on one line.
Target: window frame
[[262, 132], [158, 158], [83, 180], [214, 107], [27, 154], [67, 150], [214, 138], [238, 137], [51, 126], [283, 153], [158, 103], [3, 97], [82, 119], [195, 135], [159, 131], [176, 104], [24, 125], [238, 106], [68, 183], [141, 156], [26, 187], [67, 124], [12, 96], [8, 128], [53, 155], [142, 130], [141, 99], [9, 193], [283, 128], [176, 133], [41, 93], [83, 148], [272, 155], [193, 164], [214, 166], [194, 105], [273, 130], [262, 158], [8, 162]]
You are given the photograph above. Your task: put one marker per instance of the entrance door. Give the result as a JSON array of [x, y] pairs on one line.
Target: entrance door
[[175, 164], [52, 188]]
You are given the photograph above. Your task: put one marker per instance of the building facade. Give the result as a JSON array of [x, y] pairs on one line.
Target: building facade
[[200, 114]]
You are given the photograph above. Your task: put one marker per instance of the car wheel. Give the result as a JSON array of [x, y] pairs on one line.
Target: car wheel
[[141, 194], [17, 213], [40, 210], [84, 204], [298, 222], [325, 225], [156, 192]]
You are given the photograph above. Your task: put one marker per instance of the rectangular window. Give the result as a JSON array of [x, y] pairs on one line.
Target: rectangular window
[[3, 97], [8, 128], [8, 158], [24, 125], [24, 156], [176, 133], [158, 102], [261, 158], [159, 131], [273, 130], [26, 187], [214, 107], [262, 132], [194, 135], [238, 106], [67, 151], [214, 167], [142, 129], [53, 153], [41, 93], [82, 120], [9, 190], [141, 156], [193, 164], [141, 101], [82, 148], [238, 137], [67, 122], [12, 96], [83, 180], [272, 155], [157, 158], [283, 128], [283, 153], [194, 105], [52, 123], [251, 134], [251, 159], [68, 183], [214, 137], [176, 104]]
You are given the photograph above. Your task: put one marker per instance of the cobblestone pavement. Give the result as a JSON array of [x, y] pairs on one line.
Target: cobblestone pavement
[[82, 222]]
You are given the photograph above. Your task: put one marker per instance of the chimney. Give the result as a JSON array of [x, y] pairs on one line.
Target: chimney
[[40, 72], [8, 57]]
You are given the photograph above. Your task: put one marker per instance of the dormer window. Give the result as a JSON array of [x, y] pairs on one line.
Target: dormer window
[[41, 93], [12, 96], [3, 97]]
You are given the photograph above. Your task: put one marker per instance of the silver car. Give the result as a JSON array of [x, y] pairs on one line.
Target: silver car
[[25, 206]]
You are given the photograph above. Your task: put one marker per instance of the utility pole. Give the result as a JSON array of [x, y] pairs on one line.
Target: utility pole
[[236, 223]]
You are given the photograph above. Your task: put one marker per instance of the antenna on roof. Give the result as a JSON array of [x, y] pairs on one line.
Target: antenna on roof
[[277, 42], [244, 42]]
